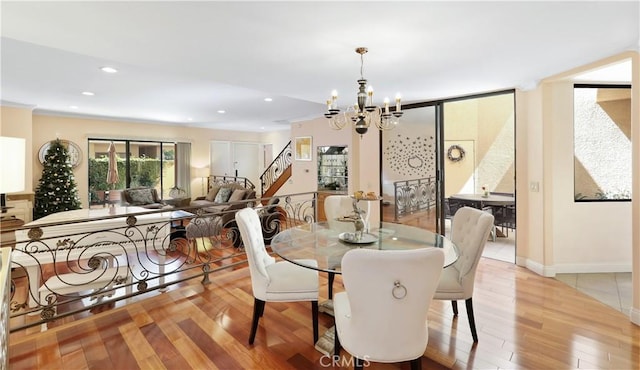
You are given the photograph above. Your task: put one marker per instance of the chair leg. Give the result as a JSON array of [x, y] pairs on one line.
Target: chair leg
[[472, 321], [454, 305], [262, 309], [314, 317], [416, 363], [331, 277], [258, 309], [336, 343]]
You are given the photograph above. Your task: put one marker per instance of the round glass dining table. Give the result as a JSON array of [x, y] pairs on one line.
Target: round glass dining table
[[316, 241]]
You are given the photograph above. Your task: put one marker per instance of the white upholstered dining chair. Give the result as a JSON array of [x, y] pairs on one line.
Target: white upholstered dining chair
[[470, 228], [273, 281], [382, 315]]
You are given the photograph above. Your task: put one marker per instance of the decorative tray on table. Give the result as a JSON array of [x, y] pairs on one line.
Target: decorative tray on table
[[365, 196], [347, 219], [351, 238]]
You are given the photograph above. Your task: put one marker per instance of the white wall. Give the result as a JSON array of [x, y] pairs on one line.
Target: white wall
[[587, 237], [78, 130]]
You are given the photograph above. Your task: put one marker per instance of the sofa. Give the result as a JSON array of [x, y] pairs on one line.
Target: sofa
[[224, 197], [142, 197]]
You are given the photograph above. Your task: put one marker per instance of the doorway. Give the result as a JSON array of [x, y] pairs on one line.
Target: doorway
[[478, 162], [241, 159], [443, 148]]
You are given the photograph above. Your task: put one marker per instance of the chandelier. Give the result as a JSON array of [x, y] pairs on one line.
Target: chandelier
[[364, 111]]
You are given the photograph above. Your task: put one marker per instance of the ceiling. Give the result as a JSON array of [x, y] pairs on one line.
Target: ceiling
[[180, 63]]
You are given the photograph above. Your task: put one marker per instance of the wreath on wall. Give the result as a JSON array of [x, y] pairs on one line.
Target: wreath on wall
[[455, 153]]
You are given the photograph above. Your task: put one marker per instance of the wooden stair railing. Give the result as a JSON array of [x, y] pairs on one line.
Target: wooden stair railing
[[277, 173], [281, 180]]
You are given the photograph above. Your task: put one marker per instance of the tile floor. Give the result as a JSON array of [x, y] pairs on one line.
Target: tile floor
[[503, 248], [612, 289]]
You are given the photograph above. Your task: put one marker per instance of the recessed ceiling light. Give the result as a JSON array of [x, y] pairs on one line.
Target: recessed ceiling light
[[189, 119], [262, 128], [88, 93], [268, 99], [222, 111], [108, 69], [73, 106]]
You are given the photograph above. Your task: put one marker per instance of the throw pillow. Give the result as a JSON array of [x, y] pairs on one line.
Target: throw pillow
[[237, 195], [141, 197], [212, 193], [223, 195]]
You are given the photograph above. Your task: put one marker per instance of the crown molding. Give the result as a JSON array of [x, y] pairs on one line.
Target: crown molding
[[11, 104]]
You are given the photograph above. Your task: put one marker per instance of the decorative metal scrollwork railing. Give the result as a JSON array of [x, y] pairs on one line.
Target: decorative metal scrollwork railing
[[64, 268], [276, 168], [414, 195]]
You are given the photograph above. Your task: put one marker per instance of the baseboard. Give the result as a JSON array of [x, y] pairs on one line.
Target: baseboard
[[591, 268], [538, 268], [551, 271], [634, 315]]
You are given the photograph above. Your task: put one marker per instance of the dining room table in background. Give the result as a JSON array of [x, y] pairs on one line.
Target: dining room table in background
[[491, 199], [501, 205]]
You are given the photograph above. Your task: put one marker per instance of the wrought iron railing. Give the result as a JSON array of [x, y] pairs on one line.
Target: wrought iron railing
[[221, 180], [414, 195], [276, 168], [64, 268]]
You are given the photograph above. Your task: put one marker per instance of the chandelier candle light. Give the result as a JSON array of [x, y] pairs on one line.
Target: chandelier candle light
[[362, 113]]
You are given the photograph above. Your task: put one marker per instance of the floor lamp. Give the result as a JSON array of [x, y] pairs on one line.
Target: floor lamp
[[202, 173], [12, 161]]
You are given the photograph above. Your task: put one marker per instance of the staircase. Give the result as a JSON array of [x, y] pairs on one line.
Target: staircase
[[277, 173]]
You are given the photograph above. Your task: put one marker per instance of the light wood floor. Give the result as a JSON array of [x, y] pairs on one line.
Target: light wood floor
[[524, 321]]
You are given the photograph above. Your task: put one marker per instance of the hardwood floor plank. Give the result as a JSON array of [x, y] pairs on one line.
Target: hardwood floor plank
[[524, 321], [74, 360], [162, 346], [48, 352], [194, 356], [153, 363], [21, 354], [108, 327], [96, 353], [136, 341], [208, 345]]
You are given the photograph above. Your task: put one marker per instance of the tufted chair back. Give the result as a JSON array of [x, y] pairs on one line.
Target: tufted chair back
[[382, 316], [470, 229], [281, 281], [251, 232]]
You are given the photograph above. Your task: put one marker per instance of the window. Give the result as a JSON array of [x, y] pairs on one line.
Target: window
[[139, 163], [602, 142]]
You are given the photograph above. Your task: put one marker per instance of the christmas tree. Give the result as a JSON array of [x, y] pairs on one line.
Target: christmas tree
[[57, 190]]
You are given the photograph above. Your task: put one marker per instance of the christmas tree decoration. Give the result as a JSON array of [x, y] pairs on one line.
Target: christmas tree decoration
[[57, 190]]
